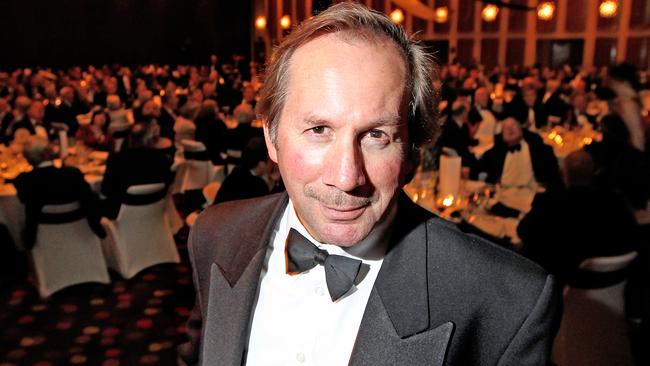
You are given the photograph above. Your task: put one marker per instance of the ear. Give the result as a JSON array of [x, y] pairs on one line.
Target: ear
[[270, 146]]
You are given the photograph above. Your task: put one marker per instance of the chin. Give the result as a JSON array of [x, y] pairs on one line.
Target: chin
[[344, 236]]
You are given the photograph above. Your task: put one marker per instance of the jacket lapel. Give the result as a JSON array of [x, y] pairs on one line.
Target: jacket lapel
[[234, 279], [228, 314], [396, 328]]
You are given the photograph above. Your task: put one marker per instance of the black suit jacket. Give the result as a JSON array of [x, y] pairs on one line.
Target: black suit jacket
[[518, 109], [592, 222], [238, 137], [50, 185], [212, 133], [544, 162], [459, 139], [5, 124], [22, 123], [556, 106], [132, 167], [241, 184], [441, 296], [68, 114], [166, 123]]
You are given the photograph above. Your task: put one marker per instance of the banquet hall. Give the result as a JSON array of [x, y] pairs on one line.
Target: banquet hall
[[122, 121]]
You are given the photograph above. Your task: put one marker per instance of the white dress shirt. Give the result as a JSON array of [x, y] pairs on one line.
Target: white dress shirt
[[518, 168], [295, 321]]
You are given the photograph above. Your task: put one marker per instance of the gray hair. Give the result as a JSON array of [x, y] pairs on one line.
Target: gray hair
[[359, 22], [37, 150]]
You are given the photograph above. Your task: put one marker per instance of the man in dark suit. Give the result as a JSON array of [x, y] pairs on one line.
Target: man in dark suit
[[46, 184], [168, 115], [456, 135], [137, 163], [519, 158], [6, 118], [527, 109], [69, 109], [586, 220], [405, 288], [245, 181], [554, 104], [33, 122]]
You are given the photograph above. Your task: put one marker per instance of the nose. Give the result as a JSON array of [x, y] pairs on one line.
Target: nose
[[344, 166]]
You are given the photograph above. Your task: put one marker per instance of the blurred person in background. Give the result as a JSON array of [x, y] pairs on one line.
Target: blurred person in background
[[138, 162], [46, 184]]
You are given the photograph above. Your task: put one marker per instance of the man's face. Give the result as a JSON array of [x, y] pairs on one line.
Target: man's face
[[36, 111], [342, 139], [512, 132], [530, 96], [481, 97], [150, 108]]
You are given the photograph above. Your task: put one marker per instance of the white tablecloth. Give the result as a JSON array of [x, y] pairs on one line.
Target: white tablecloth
[[12, 213]]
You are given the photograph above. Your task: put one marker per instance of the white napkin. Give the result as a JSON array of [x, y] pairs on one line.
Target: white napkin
[[521, 199]]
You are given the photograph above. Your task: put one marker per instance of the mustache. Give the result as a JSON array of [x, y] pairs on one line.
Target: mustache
[[335, 198]]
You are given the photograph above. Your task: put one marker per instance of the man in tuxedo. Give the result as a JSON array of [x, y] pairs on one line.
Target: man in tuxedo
[[527, 109], [6, 117], [33, 122], [136, 163], [480, 116], [246, 180], [398, 286], [554, 104], [519, 158], [69, 109], [46, 184], [456, 135], [168, 115], [594, 221]]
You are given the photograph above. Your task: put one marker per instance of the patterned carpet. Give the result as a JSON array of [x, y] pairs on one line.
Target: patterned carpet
[[128, 322]]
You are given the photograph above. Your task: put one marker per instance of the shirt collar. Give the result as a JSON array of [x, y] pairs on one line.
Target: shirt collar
[[45, 164]]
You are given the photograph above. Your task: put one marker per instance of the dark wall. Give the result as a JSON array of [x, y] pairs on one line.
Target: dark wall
[[81, 32]]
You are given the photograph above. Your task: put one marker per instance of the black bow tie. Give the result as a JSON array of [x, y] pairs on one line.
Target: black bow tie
[[340, 271], [514, 148]]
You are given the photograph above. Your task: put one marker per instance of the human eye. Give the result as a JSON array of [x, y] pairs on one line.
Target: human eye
[[318, 130], [318, 133], [376, 137]]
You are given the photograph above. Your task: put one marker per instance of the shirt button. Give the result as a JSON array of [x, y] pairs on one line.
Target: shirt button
[[300, 357], [319, 291]]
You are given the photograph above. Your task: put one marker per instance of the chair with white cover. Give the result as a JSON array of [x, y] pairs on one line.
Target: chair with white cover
[[198, 170], [140, 236], [66, 252], [594, 329]]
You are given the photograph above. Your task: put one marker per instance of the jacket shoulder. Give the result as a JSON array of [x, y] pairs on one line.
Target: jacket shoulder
[[214, 233], [481, 258]]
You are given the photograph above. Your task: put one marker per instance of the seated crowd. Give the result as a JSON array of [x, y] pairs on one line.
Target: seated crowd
[[142, 116]]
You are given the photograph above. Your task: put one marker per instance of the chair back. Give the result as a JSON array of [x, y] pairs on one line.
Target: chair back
[[198, 170], [140, 236], [67, 252], [608, 264], [593, 329]]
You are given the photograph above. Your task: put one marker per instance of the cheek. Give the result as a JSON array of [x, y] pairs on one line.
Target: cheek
[[387, 172], [300, 164]]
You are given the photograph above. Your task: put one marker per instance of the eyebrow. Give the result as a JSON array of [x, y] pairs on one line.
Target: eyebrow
[[390, 120]]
